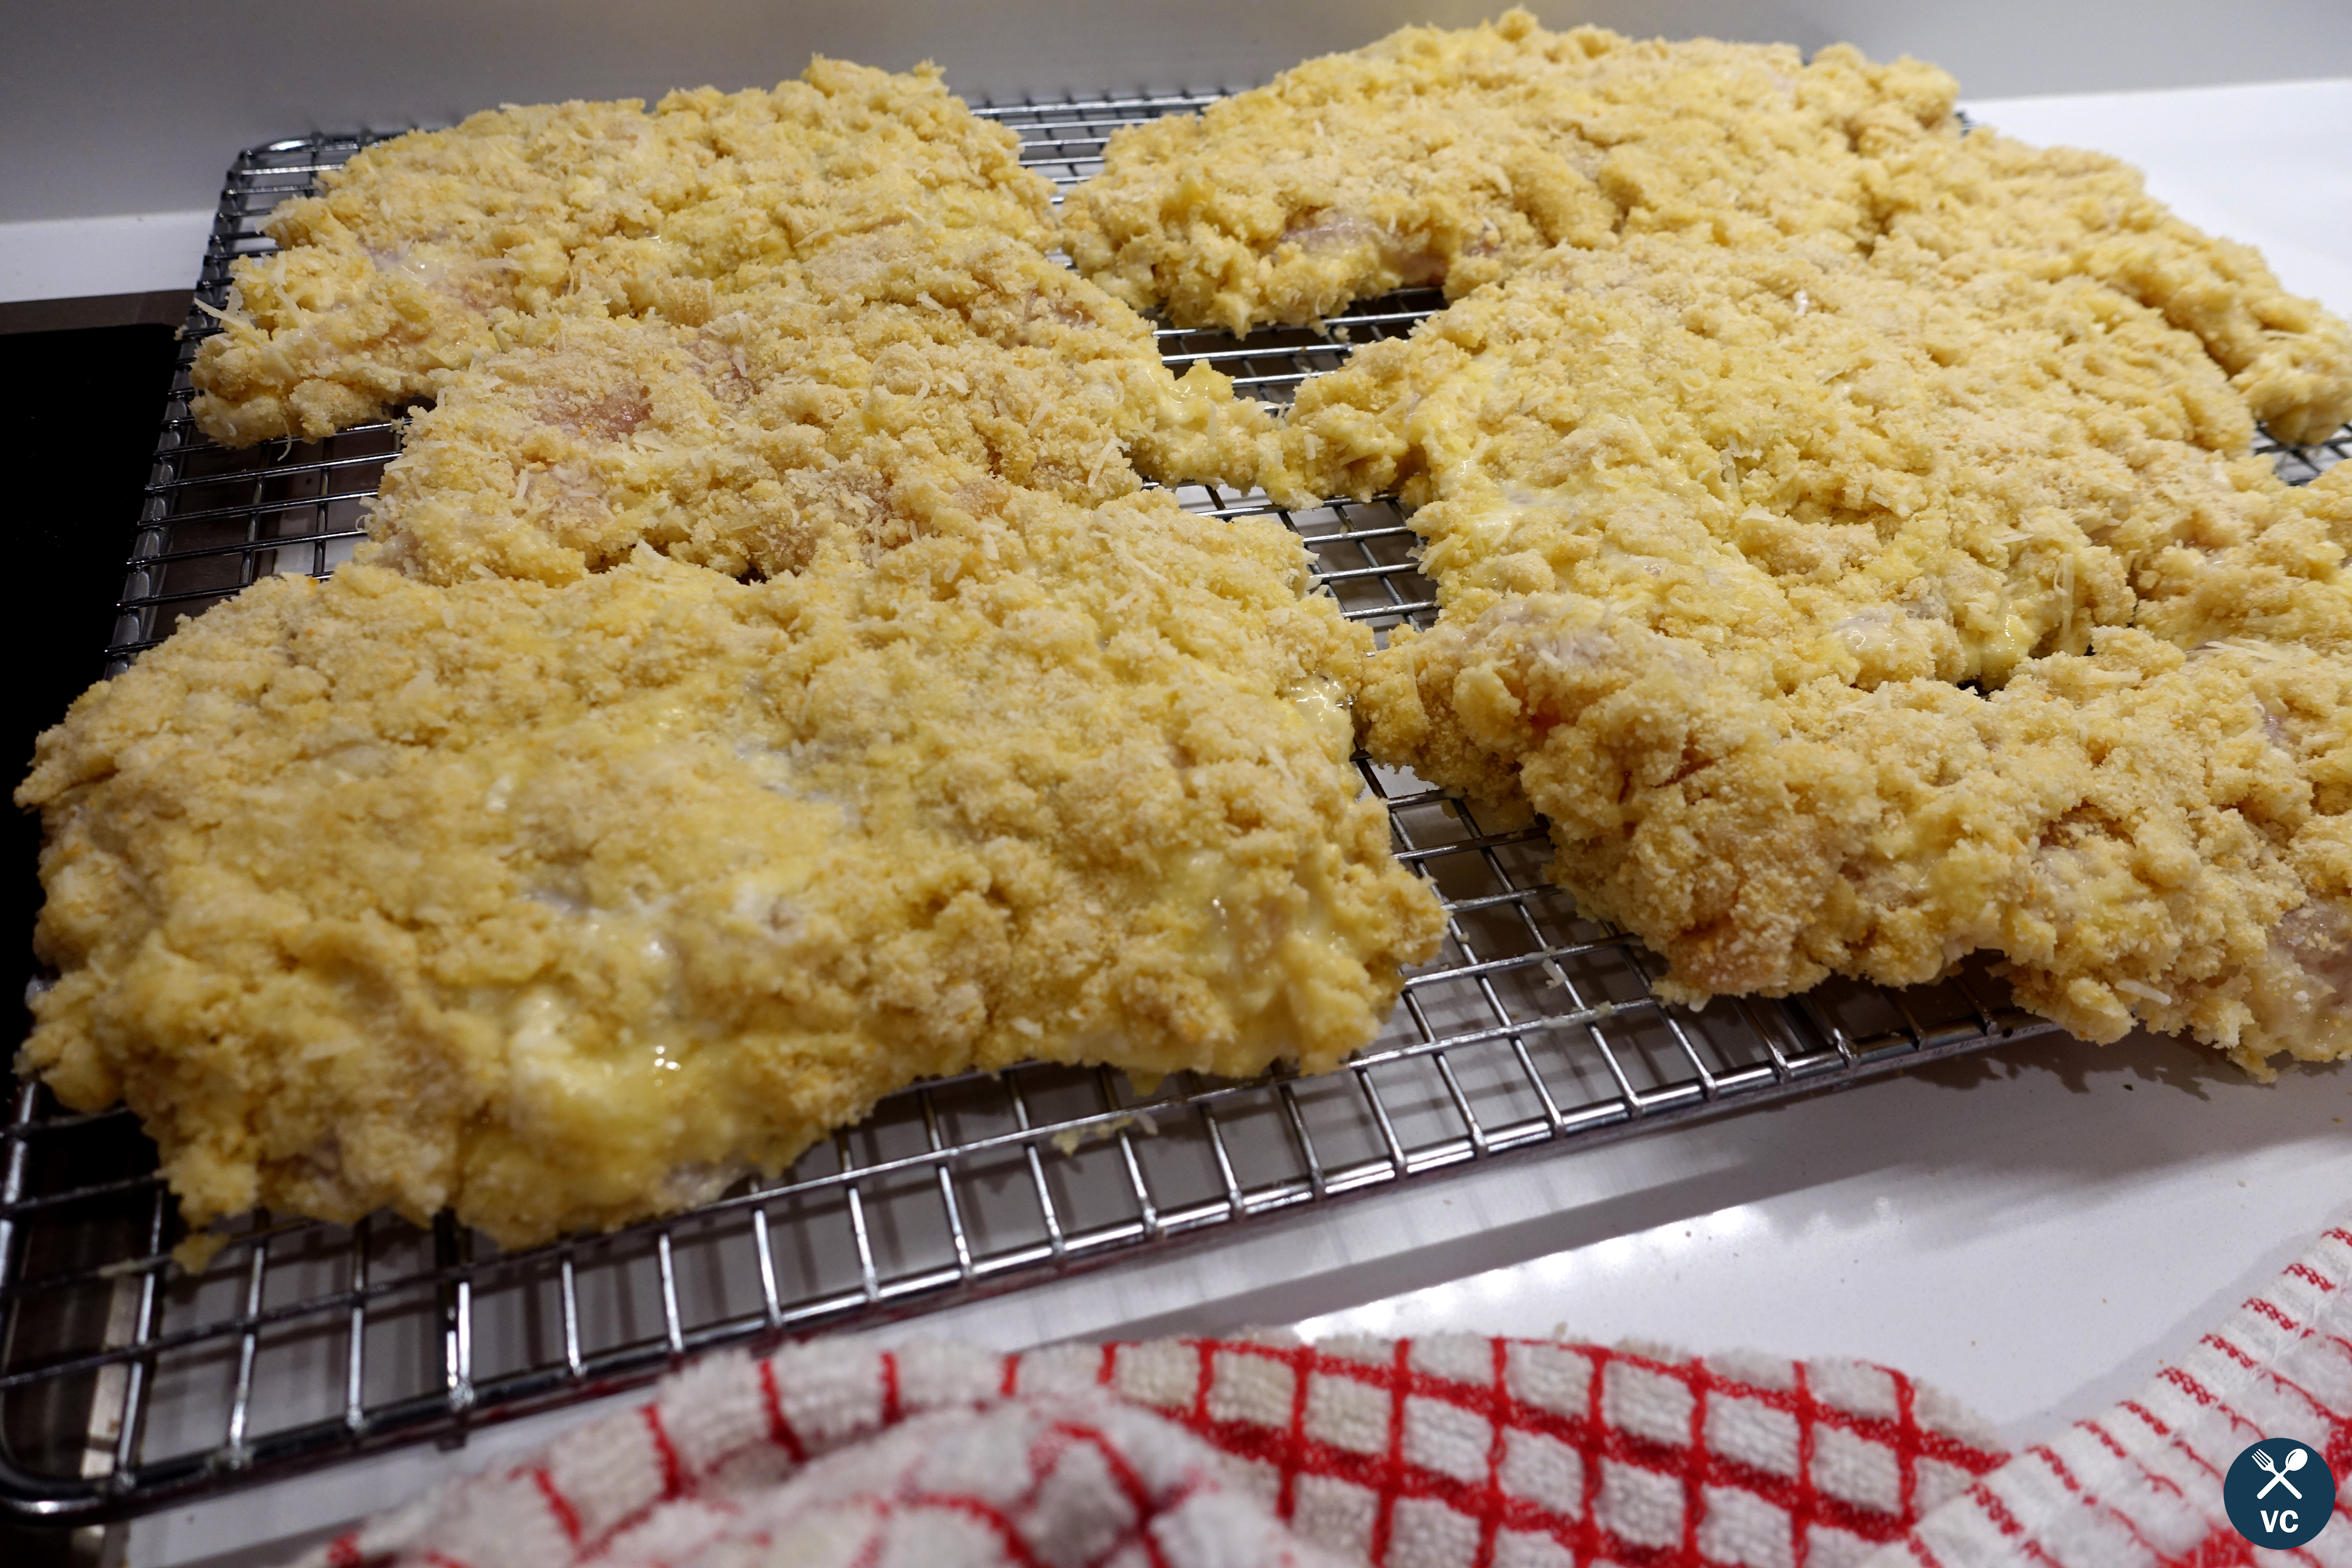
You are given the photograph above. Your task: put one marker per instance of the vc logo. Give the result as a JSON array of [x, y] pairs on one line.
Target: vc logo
[[2280, 1493]]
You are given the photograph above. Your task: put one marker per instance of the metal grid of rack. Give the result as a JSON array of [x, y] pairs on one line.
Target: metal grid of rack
[[126, 1382]]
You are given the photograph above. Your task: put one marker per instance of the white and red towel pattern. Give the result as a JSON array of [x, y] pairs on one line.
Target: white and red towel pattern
[[2140, 1485], [1443, 1452], [1454, 1451]]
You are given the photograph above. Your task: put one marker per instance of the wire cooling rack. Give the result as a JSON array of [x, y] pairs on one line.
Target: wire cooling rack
[[126, 1384]]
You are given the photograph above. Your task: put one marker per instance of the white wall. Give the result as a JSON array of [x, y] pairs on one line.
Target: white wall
[[123, 106]]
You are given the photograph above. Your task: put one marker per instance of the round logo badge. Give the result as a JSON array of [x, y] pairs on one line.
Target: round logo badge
[[2280, 1493]]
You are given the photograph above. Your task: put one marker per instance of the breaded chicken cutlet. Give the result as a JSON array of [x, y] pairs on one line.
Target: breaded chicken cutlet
[[561, 907], [1734, 546], [519, 871], [1956, 205], [904, 372], [1458, 158], [1753, 457], [397, 272]]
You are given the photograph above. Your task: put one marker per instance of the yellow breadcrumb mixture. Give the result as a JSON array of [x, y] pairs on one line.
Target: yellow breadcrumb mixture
[[396, 274], [1816, 600], [905, 375], [561, 907], [1459, 157], [1462, 157], [541, 867]]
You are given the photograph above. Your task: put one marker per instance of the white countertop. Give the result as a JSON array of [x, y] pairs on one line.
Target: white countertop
[[2036, 1229]]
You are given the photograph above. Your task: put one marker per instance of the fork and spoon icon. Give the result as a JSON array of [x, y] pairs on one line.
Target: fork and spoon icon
[[2295, 1462]]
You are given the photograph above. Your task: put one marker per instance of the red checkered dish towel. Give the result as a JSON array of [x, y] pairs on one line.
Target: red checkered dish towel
[[1453, 1449], [1411, 1453], [2140, 1485]]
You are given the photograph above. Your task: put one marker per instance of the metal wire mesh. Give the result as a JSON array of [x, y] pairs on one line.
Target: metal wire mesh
[[125, 1383]]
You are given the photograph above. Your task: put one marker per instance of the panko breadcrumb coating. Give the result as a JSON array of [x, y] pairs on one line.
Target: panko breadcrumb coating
[[1732, 543], [1955, 205], [1463, 157], [522, 871], [2146, 835], [1459, 157], [901, 374], [1879, 470], [395, 276], [560, 907]]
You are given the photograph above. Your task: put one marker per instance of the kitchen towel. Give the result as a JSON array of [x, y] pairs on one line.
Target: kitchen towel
[[2139, 1485], [1453, 1449]]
